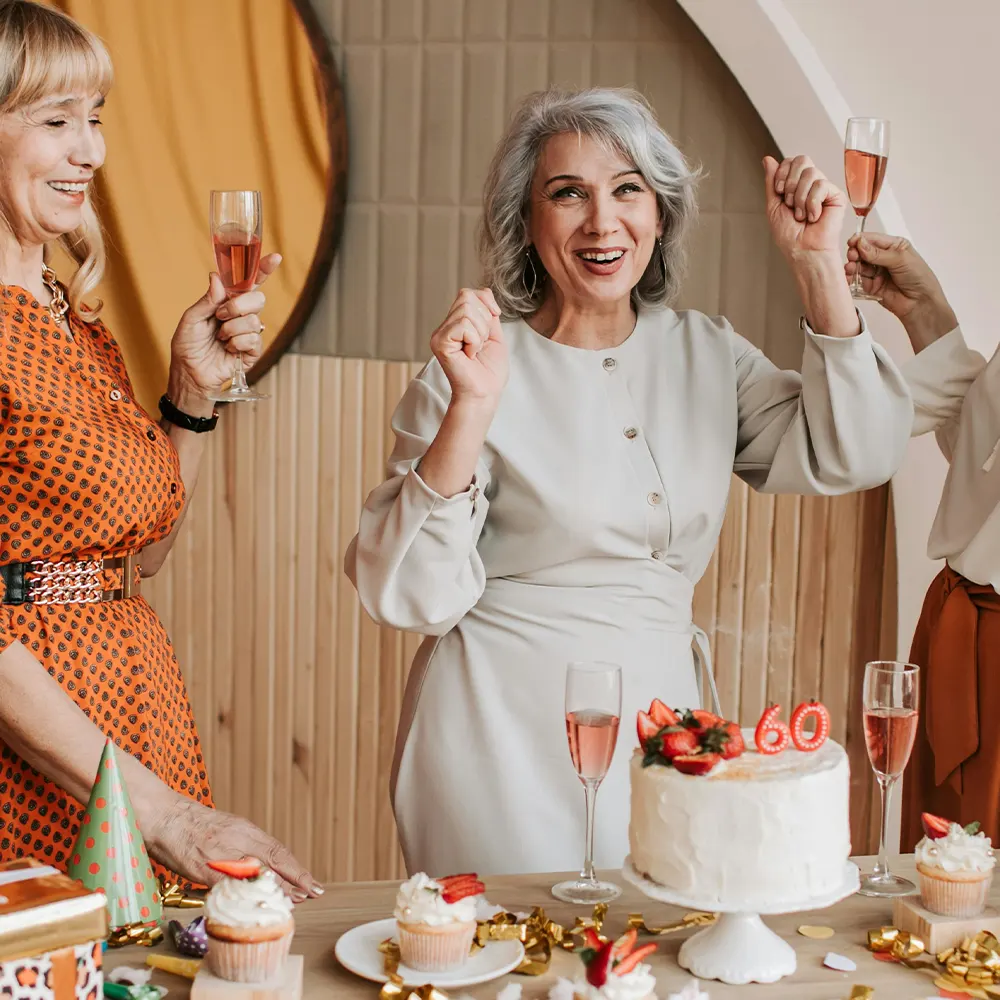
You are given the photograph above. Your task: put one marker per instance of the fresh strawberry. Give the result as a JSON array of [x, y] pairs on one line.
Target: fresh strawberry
[[697, 763], [646, 728], [244, 868], [698, 718], [662, 715], [627, 964], [591, 939], [934, 826], [448, 879], [456, 887], [678, 742], [597, 969], [624, 945], [735, 745]]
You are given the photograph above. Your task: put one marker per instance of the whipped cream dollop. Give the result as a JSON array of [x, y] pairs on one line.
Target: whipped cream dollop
[[248, 902], [419, 901], [635, 985], [957, 851]]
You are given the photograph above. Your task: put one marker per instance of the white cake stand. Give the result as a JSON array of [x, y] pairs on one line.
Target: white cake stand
[[738, 948]]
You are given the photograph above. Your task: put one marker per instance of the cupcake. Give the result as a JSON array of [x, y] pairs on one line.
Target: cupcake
[[956, 867], [249, 923], [436, 921], [614, 970]]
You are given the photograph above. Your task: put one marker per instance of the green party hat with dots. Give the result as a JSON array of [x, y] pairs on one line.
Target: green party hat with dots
[[110, 855]]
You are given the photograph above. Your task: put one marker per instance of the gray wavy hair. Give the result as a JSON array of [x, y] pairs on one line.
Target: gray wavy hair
[[620, 119]]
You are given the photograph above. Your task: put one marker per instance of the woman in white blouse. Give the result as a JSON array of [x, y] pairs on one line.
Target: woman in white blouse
[[955, 767], [562, 465]]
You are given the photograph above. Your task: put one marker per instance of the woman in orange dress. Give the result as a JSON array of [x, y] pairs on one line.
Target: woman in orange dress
[[92, 490], [954, 771]]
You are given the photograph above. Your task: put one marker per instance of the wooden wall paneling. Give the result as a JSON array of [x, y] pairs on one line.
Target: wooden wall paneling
[[729, 621], [784, 601], [758, 596]]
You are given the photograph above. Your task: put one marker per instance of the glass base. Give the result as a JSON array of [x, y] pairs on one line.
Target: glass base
[[864, 296], [581, 890], [886, 885], [231, 395]]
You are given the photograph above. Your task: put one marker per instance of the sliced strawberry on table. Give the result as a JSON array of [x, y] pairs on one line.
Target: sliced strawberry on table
[[243, 868], [597, 968], [624, 945], [697, 763], [934, 826], [662, 715], [678, 742], [591, 939], [646, 728], [627, 964]]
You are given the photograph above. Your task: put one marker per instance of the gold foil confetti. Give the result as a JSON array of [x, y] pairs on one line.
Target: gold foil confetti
[[817, 933]]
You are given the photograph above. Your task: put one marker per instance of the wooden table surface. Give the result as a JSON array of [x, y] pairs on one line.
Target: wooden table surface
[[321, 921]]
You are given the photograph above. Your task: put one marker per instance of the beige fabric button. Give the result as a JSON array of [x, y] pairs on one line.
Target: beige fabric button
[[609, 364], [654, 499], [659, 554], [631, 432], [115, 395]]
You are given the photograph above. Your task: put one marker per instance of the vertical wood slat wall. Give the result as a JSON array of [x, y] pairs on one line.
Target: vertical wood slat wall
[[296, 692]]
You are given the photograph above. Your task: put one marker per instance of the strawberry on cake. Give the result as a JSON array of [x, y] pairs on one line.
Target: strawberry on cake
[[723, 815], [613, 970], [436, 920]]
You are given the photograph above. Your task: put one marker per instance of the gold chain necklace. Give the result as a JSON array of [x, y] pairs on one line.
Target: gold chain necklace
[[58, 307]]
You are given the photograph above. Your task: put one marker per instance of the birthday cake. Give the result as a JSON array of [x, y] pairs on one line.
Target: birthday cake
[[723, 815]]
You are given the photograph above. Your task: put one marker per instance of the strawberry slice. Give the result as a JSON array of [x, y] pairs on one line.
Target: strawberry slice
[[592, 940], [646, 728], [678, 742], [624, 945], [934, 826], [662, 715], [450, 879], [696, 763], [462, 890], [627, 964], [698, 718], [597, 970], [243, 868]]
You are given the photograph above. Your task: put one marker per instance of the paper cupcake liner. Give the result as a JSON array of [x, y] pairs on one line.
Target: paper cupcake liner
[[436, 949], [965, 898], [247, 961]]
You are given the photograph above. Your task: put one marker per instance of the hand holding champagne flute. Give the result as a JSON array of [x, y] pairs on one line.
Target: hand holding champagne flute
[[866, 156], [593, 710], [890, 713], [237, 229]]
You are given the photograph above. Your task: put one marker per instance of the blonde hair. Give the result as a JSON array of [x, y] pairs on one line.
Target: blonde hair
[[44, 53]]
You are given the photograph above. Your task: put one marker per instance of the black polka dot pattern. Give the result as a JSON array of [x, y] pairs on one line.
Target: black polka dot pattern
[[85, 472]]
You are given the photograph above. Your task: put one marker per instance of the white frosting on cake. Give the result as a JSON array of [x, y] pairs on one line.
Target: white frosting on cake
[[957, 851], [756, 829], [419, 901]]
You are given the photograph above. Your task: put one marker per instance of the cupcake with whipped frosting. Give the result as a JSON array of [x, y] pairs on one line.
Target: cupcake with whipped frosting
[[955, 864], [436, 921], [249, 923]]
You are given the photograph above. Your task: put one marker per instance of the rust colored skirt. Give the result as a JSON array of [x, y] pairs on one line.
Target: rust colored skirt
[[955, 768]]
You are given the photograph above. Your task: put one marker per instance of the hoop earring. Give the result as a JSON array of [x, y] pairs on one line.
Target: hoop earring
[[534, 275]]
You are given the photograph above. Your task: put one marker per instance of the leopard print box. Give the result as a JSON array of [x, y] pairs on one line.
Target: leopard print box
[[67, 974]]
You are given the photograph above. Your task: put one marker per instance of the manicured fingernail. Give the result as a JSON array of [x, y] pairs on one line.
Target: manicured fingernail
[[780, 187], [317, 889]]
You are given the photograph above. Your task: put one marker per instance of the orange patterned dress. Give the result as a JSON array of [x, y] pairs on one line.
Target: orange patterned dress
[[85, 473]]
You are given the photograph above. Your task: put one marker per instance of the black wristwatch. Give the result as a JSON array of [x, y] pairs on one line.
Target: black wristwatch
[[184, 420]]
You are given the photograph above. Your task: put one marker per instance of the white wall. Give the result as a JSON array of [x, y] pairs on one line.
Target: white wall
[[933, 69]]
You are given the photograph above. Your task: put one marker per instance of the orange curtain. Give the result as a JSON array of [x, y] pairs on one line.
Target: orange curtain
[[207, 94]]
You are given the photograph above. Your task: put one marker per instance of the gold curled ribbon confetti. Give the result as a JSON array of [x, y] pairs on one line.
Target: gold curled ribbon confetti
[[862, 993], [689, 920], [173, 895], [145, 934], [972, 967], [396, 989]]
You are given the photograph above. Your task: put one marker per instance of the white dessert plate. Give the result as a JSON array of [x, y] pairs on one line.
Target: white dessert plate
[[357, 951]]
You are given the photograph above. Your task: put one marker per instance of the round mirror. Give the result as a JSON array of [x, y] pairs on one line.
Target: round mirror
[[213, 94]]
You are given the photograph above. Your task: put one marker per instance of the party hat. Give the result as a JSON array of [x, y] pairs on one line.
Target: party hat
[[110, 855]]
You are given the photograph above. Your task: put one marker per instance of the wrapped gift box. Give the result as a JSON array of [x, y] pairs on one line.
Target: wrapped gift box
[[51, 935]]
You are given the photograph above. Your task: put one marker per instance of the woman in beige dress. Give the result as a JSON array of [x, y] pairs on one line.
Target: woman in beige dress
[[955, 768], [561, 470]]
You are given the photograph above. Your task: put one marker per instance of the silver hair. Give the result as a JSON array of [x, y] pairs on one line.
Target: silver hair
[[621, 120]]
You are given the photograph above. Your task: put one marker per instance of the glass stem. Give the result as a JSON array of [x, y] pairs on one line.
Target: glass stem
[[590, 787], [856, 283], [239, 376], [886, 785]]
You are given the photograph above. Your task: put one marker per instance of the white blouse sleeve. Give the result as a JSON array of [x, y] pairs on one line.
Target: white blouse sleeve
[[939, 377], [414, 560], [841, 425]]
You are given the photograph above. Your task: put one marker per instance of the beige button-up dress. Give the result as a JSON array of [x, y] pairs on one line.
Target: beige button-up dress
[[597, 503]]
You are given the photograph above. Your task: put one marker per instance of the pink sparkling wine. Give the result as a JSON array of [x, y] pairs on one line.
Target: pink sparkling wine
[[889, 736], [238, 257], [592, 737], [864, 173]]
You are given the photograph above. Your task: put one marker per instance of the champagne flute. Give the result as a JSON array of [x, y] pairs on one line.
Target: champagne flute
[[890, 709], [237, 228], [593, 710], [866, 155]]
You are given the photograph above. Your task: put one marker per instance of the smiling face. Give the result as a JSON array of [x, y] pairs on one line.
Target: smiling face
[[593, 221], [49, 152]]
